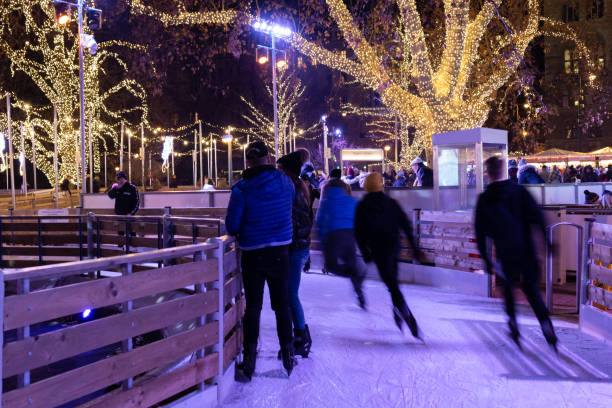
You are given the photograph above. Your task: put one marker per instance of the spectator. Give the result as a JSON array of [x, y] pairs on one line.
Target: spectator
[[591, 198], [607, 175], [512, 171], [588, 175], [208, 184], [555, 176], [401, 180], [259, 214], [545, 174], [527, 174], [424, 175], [125, 195]]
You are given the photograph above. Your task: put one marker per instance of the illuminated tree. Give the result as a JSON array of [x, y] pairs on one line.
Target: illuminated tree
[[441, 79], [47, 54], [261, 121]]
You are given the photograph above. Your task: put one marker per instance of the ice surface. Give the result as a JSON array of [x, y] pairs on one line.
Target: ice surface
[[360, 359]]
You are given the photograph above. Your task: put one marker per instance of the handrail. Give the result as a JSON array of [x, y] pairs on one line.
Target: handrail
[[549, 262], [69, 268]]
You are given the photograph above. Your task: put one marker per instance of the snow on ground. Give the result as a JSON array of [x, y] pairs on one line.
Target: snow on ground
[[360, 359]]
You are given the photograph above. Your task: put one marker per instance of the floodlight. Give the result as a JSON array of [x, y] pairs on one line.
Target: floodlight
[[263, 59], [387, 148], [62, 12], [281, 64], [86, 313], [338, 132], [227, 138]]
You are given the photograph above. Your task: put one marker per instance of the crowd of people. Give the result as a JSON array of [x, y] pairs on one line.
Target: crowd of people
[[525, 173]]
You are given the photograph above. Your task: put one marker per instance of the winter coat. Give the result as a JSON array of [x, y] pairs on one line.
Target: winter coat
[[302, 216], [126, 199], [424, 176], [555, 177], [259, 211], [336, 211], [378, 221], [506, 212], [528, 175], [400, 182]]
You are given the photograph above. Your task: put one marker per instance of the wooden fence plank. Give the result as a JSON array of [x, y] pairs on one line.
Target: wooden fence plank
[[34, 352], [45, 226], [601, 274], [447, 216], [600, 296], [163, 387], [230, 262], [602, 231], [230, 349], [101, 374], [601, 253], [233, 316], [43, 305], [232, 288]]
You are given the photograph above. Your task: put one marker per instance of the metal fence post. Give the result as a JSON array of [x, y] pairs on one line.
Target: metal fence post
[[23, 288], [1, 325], [199, 288], [127, 344], [549, 268], [416, 229], [219, 285], [579, 268], [586, 255], [90, 235]]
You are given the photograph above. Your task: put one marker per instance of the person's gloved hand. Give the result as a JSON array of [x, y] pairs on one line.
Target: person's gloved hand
[[114, 186]]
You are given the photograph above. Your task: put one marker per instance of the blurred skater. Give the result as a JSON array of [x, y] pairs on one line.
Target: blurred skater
[[506, 212], [378, 221], [335, 222]]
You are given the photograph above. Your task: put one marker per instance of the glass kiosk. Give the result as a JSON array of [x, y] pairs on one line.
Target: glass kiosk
[[458, 159]]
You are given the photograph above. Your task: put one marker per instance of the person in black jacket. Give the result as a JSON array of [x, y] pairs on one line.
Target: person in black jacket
[[378, 220], [299, 250], [125, 195], [506, 213]]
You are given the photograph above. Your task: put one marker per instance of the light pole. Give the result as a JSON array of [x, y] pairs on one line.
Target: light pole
[[387, 148], [274, 31], [62, 9], [228, 138], [325, 151]]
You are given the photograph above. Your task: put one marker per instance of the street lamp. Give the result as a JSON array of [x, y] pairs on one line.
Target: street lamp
[[94, 18], [325, 149], [227, 138], [274, 31], [387, 148]]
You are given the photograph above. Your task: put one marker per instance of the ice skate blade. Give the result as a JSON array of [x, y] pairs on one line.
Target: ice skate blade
[[241, 377]]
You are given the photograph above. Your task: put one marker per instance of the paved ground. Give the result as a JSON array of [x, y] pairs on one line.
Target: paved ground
[[360, 359]]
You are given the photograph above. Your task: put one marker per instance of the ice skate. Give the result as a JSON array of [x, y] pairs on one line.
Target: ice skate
[[302, 342], [549, 334], [245, 370], [397, 317], [288, 358], [408, 317], [514, 334]]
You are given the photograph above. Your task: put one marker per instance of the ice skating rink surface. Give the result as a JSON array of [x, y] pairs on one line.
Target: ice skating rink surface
[[361, 359]]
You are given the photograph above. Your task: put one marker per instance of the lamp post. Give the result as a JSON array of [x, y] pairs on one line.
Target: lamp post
[[228, 138], [325, 151], [387, 148], [274, 31]]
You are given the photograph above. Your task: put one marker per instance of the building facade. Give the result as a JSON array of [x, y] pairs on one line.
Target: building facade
[[581, 95]]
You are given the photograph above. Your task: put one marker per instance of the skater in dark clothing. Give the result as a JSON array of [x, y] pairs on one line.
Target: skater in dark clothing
[[335, 222], [125, 195], [259, 214], [378, 221], [299, 250], [506, 213]]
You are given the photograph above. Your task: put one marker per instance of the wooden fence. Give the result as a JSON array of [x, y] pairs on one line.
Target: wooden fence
[[446, 238], [598, 281], [39, 199], [40, 240], [152, 335]]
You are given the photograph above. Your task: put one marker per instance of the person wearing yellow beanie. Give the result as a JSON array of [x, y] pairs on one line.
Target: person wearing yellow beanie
[[378, 220], [374, 183]]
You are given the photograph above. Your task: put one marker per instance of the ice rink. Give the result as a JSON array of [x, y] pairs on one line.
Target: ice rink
[[361, 359]]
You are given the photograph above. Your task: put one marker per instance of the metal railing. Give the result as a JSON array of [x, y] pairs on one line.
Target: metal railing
[[549, 263]]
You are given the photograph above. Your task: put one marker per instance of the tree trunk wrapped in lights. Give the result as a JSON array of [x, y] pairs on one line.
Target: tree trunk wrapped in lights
[[436, 88], [47, 54]]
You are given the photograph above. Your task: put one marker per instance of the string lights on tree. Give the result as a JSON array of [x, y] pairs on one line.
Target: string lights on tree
[[436, 89]]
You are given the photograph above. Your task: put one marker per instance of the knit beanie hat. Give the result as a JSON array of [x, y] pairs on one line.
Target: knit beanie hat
[[590, 198], [294, 161], [374, 183]]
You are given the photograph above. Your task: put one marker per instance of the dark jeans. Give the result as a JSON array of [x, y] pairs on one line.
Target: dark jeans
[[270, 265], [387, 269], [529, 273], [340, 253]]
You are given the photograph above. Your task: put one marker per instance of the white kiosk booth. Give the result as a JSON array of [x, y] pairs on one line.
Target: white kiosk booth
[[458, 159], [361, 156]]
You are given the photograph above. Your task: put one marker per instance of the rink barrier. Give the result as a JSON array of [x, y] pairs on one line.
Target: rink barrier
[[596, 296], [37, 199], [196, 301], [27, 241]]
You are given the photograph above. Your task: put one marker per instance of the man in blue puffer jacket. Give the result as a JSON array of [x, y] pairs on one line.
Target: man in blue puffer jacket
[[335, 222], [259, 214]]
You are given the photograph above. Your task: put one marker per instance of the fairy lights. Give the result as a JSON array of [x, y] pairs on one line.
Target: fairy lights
[[48, 54]]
